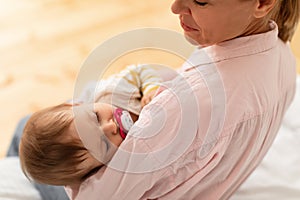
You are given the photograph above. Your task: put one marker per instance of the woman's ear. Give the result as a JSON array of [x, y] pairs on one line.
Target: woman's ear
[[263, 7]]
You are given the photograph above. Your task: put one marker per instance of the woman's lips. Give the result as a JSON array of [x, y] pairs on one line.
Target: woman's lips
[[186, 27]]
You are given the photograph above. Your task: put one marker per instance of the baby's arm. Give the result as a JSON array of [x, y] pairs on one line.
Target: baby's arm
[[149, 82], [145, 78]]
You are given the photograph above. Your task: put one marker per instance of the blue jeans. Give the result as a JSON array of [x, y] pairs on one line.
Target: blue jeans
[[47, 192]]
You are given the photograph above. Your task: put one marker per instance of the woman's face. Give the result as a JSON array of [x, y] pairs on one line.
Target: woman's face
[[209, 22]]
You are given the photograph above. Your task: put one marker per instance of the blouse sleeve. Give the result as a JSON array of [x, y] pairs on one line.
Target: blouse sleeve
[[151, 153]]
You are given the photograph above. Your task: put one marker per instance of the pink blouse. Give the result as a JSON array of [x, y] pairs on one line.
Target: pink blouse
[[202, 136]]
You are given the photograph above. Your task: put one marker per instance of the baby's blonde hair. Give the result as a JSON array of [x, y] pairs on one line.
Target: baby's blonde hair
[[45, 155]]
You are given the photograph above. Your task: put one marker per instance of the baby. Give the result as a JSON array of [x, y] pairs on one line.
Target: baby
[[65, 144]]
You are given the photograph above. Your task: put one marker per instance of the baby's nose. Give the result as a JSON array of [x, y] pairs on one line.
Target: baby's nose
[[109, 127]]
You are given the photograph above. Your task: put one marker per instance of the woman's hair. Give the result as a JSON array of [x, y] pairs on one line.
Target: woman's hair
[[46, 154], [286, 14]]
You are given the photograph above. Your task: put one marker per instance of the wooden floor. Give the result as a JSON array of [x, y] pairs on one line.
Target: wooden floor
[[44, 43]]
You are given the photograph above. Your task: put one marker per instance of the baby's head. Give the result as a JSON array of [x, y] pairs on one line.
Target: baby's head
[[51, 151]]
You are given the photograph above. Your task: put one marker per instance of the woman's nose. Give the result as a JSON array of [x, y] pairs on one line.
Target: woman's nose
[[181, 7]]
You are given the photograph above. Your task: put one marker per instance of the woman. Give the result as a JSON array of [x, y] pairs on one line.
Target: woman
[[205, 134]]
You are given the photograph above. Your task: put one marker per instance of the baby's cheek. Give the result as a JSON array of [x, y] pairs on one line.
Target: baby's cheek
[[119, 141], [116, 140]]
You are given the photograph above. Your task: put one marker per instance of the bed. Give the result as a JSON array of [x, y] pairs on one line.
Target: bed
[[276, 178]]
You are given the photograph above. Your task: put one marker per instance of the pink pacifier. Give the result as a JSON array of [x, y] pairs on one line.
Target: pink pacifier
[[123, 120]]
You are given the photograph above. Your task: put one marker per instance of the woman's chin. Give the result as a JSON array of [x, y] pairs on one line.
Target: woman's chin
[[191, 40], [194, 40], [197, 42], [197, 39]]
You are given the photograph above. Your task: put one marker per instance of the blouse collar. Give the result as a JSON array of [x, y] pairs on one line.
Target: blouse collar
[[238, 47]]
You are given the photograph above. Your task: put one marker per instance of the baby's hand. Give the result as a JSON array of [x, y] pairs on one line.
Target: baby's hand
[[151, 94], [148, 97]]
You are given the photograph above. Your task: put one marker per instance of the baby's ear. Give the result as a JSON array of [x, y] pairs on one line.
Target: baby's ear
[[263, 7]]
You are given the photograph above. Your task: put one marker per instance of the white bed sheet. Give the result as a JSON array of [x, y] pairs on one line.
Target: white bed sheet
[[278, 176], [13, 184]]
